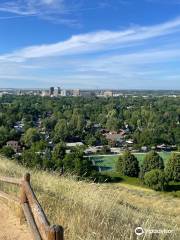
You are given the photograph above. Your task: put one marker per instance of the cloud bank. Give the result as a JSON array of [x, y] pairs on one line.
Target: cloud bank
[[138, 55]]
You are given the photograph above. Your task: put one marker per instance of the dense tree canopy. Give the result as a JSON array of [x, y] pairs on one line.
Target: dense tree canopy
[[43, 126], [151, 120]]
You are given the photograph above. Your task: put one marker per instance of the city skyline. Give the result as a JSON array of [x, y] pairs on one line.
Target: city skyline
[[99, 45]]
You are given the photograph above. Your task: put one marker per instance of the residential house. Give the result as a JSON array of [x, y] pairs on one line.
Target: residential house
[[14, 145]]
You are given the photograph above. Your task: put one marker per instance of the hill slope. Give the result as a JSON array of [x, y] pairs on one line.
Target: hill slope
[[91, 211]]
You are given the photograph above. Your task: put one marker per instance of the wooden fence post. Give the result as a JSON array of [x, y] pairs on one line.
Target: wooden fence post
[[59, 232], [23, 197], [51, 233], [31, 210], [55, 233]]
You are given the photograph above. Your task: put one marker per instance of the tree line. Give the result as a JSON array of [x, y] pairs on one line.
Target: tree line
[[152, 172], [42, 126]]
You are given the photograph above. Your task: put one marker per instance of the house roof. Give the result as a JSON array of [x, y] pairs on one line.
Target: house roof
[[12, 142], [113, 136], [74, 144]]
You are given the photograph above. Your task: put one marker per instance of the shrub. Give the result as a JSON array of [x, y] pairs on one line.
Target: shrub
[[155, 179], [75, 162], [128, 165], [7, 151], [31, 136], [152, 161], [120, 165], [58, 155], [100, 178], [173, 167]]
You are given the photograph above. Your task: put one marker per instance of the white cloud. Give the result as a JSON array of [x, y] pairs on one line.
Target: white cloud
[[164, 1], [94, 42], [57, 11], [29, 7], [52, 10], [137, 55]]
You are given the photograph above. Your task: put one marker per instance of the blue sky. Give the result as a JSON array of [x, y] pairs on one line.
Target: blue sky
[[117, 44]]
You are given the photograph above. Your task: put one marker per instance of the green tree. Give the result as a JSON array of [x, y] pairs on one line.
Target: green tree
[[128, 165], [156, 179], [32, 159], [173, 167], [60, 131], [31, 136], [3, 135], [151, 161], [49, 123], [120, 165], [75, 162], [69, 162], [39, 146], [83, 167], [80, 123], [112, 124], [7, 151], [47, 160], [58, 155], [90, 140]]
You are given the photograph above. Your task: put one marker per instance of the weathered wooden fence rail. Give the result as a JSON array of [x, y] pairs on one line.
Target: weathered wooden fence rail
[[32, 211]]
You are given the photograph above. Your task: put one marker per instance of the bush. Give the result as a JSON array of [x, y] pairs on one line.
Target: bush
[[120, 165], [173, 168], [128, 165], [156, 180], [75, 162], [7, 151], [152, 161], [58, 155], [100, 178]]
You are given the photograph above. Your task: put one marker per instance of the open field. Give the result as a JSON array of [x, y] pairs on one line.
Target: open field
[[91, 211], [110, 161]]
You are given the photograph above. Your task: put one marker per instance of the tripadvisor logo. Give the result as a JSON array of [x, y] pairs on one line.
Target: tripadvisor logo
[[140, 231]]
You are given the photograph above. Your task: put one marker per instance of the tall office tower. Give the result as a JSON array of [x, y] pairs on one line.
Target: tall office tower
[[57, 91], [51, 91]]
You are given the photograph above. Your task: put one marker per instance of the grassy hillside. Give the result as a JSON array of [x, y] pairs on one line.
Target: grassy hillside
[[91, 211]]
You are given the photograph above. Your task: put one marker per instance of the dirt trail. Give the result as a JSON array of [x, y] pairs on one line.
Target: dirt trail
[[10, 228]]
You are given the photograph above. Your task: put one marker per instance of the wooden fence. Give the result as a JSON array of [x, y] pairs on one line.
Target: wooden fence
[[31, 210]]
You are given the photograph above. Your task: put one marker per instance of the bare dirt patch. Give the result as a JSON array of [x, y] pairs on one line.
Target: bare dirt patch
[[10, 228]]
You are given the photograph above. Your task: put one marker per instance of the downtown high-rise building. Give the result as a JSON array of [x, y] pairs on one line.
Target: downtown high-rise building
[[51, 91]]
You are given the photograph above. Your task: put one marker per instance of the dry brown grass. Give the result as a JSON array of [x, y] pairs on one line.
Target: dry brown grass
[[91, 211]]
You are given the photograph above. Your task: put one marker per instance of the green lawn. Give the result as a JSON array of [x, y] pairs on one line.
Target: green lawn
[[108, 168], [110, 161], [173, 188]]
